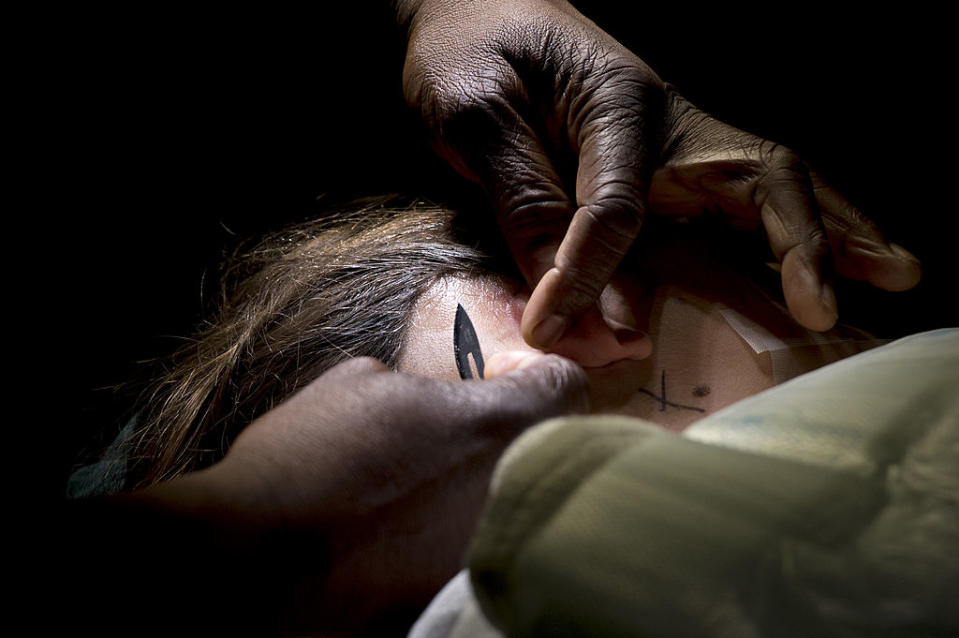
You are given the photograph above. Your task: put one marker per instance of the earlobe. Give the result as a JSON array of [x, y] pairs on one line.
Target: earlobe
[[605, 336], [592, 343]]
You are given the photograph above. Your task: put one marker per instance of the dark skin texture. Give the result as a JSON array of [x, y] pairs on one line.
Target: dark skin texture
[[340, 512], [393, 471], [521, 93]]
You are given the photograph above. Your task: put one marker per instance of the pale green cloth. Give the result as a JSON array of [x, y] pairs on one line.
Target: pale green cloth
[[827, 506]]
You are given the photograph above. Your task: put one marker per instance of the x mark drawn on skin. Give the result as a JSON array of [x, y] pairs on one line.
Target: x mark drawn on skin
[[663, 402], [466, 343]]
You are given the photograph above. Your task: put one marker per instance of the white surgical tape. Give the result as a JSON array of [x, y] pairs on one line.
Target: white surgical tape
[[842, 340]]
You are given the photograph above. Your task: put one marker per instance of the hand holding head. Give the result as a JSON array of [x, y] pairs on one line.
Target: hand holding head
[[388, 473], [523, 95], [517, 93]]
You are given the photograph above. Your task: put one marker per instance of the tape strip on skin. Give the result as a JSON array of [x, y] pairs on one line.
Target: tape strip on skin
[[761, 340]]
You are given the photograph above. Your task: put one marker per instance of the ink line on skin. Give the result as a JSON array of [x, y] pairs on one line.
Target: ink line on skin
[[663, 402], [465, 343]]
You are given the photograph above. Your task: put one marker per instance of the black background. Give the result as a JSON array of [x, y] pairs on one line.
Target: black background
[[161, 138]]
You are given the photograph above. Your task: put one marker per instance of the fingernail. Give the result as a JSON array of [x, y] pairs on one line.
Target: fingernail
[[503, 362], [548, 332]]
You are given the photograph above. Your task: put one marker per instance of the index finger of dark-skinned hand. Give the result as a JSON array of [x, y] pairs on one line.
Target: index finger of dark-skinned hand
[[787, 205], [616, 125], [860, 250], [486, 138]]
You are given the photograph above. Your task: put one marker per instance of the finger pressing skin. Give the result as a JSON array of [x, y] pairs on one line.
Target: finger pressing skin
[[860, 250], [615, 130], [523, 388], [784, 196]]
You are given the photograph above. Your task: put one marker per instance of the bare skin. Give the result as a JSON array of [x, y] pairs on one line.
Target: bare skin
[[686, 362]]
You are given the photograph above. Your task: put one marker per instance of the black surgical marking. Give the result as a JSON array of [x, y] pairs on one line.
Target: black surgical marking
[[701, 391], [466, 343], [663, 402], [662, 386]]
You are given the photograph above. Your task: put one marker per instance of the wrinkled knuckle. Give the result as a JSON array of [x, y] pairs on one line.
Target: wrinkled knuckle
[[629, 71], [618, 216], [470, 86], [784, 159], [582, 285], [816, 241], [470, 110], [785, 174], [527, 36], [606, 229], [448, 99], [617, 76], [634, 87], [535, 208]]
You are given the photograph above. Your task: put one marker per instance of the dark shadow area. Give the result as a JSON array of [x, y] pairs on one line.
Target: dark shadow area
[[174, 136]]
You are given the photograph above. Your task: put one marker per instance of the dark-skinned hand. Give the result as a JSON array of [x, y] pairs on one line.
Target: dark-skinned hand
[[348, 506], [520, 93]]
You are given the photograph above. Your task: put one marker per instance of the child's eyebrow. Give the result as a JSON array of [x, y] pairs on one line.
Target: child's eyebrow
[[465, 343]]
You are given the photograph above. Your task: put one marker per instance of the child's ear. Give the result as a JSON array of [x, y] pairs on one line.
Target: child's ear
[[591, 342], [627, 301], [614, 329]]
